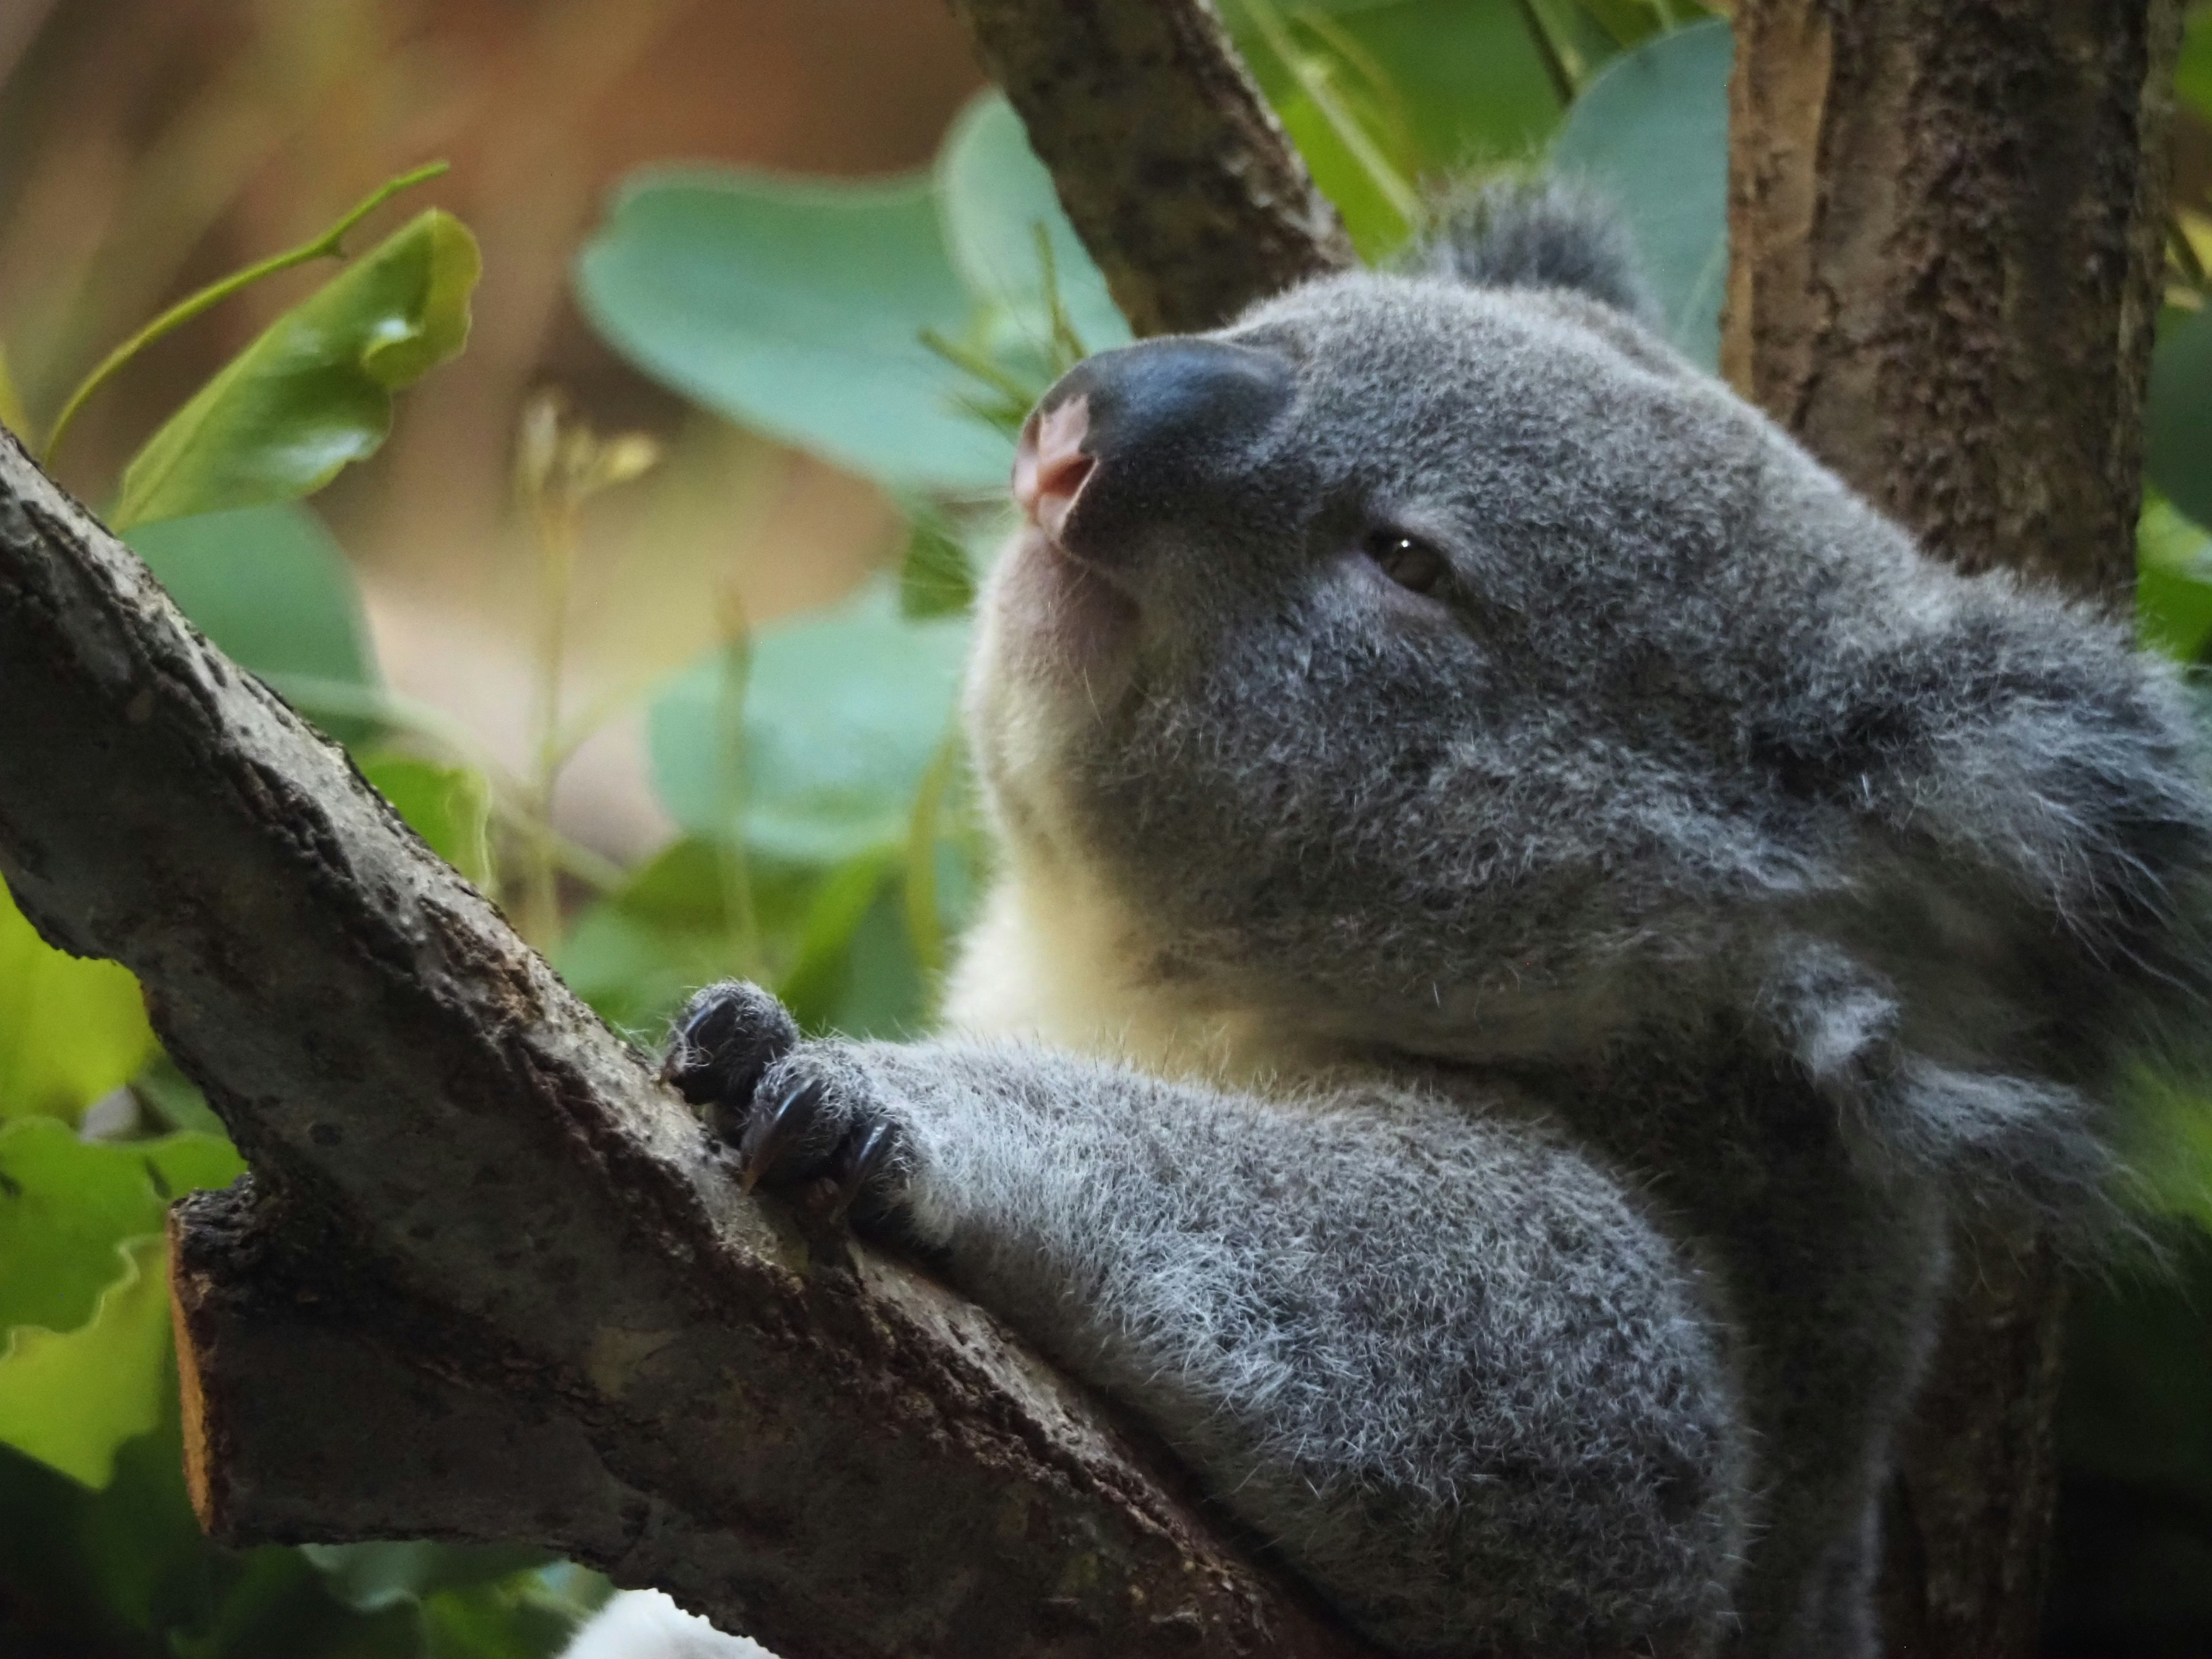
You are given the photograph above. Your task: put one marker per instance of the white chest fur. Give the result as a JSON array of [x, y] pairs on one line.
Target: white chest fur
[[1055, 958]]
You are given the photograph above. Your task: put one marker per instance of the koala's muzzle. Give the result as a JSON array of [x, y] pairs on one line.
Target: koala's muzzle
[[1131, 440]]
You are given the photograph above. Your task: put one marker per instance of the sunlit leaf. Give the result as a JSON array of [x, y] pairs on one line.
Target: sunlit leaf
[[841, 715], [1375, 224], [2173, 582], [995, 195], [70, 1028], [70, 1398], [314, 391], [66, 1205], [271, 586], [1651, 133], [797, 308], [1467, 82], [449, 806], [83, 1316]]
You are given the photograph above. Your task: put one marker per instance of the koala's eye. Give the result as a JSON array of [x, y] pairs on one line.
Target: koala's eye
[[1411, 563]]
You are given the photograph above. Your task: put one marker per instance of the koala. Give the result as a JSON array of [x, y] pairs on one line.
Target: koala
[[1524, 911]]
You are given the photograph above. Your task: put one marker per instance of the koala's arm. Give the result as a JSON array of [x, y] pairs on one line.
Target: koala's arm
[[1442, 1361]]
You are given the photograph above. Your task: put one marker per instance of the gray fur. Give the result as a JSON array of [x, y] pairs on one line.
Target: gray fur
[[1543, 232], [1660, 932]]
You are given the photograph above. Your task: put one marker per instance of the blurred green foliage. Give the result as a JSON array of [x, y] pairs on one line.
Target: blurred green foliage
[[898, 329]]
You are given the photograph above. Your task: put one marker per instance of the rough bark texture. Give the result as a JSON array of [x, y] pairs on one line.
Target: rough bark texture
[[1171, 166], [486, 1280], [1946, 226]]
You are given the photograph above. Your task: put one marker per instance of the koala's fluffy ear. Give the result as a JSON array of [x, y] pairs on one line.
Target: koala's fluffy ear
[[1535, 233]]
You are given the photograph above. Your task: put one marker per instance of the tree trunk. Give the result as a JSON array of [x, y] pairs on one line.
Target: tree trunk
[[1947, 223], [1171, 166], [487, 1279]]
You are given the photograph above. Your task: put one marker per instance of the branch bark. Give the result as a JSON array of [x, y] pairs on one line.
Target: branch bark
[[1172, 168], [486, 1280], [1947, 226]]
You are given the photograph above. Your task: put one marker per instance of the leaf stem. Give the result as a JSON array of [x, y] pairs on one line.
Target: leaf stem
[[329, 245], [1555, 64]]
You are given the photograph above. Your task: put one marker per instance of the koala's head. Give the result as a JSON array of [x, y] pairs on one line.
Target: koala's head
[[1397, 646]]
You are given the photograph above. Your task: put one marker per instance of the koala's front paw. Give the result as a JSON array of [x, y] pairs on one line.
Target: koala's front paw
[[797, 1116], [721, 1047]]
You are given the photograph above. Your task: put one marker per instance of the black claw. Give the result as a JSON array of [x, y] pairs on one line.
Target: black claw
[[729, 1036], [872, 1152], [770, 1132]]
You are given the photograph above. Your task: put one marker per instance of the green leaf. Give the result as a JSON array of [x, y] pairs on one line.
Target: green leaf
[[1651, 132], [2178, 416], [117, 1568], [314, 391], [84, 1327], [370, 1577], [995, 195], [843, 711], [71, 1029], [1467, 83], [676, 925], [449, 806], [2173, 582], [1376, 225], [937, 577], [2192, 75], [71, 1398], [797, 308], [1628, 22], [272, 587], [67, 1205]]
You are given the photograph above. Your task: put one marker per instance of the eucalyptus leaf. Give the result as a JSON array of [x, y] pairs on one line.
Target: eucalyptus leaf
[[272, 588], [1651, 133], [1467, 83], [71, 1029], [449, 806], [799, 308], [67, 1205], [371, 1577], [84, 1327], [843, 711], [672, 927], [71, 1398], [314, 391], [937, 577], [995, 196], [2173, 582], [1376, 225]]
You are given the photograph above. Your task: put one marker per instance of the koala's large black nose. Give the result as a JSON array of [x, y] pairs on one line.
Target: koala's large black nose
[[1159, 419]]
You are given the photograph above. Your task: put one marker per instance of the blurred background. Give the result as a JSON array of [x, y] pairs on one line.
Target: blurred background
[[147, 148], [648, 607]]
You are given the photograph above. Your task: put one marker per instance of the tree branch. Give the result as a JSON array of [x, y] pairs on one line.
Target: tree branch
[[1171, 166], [1946, 225], [486, 1280]]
